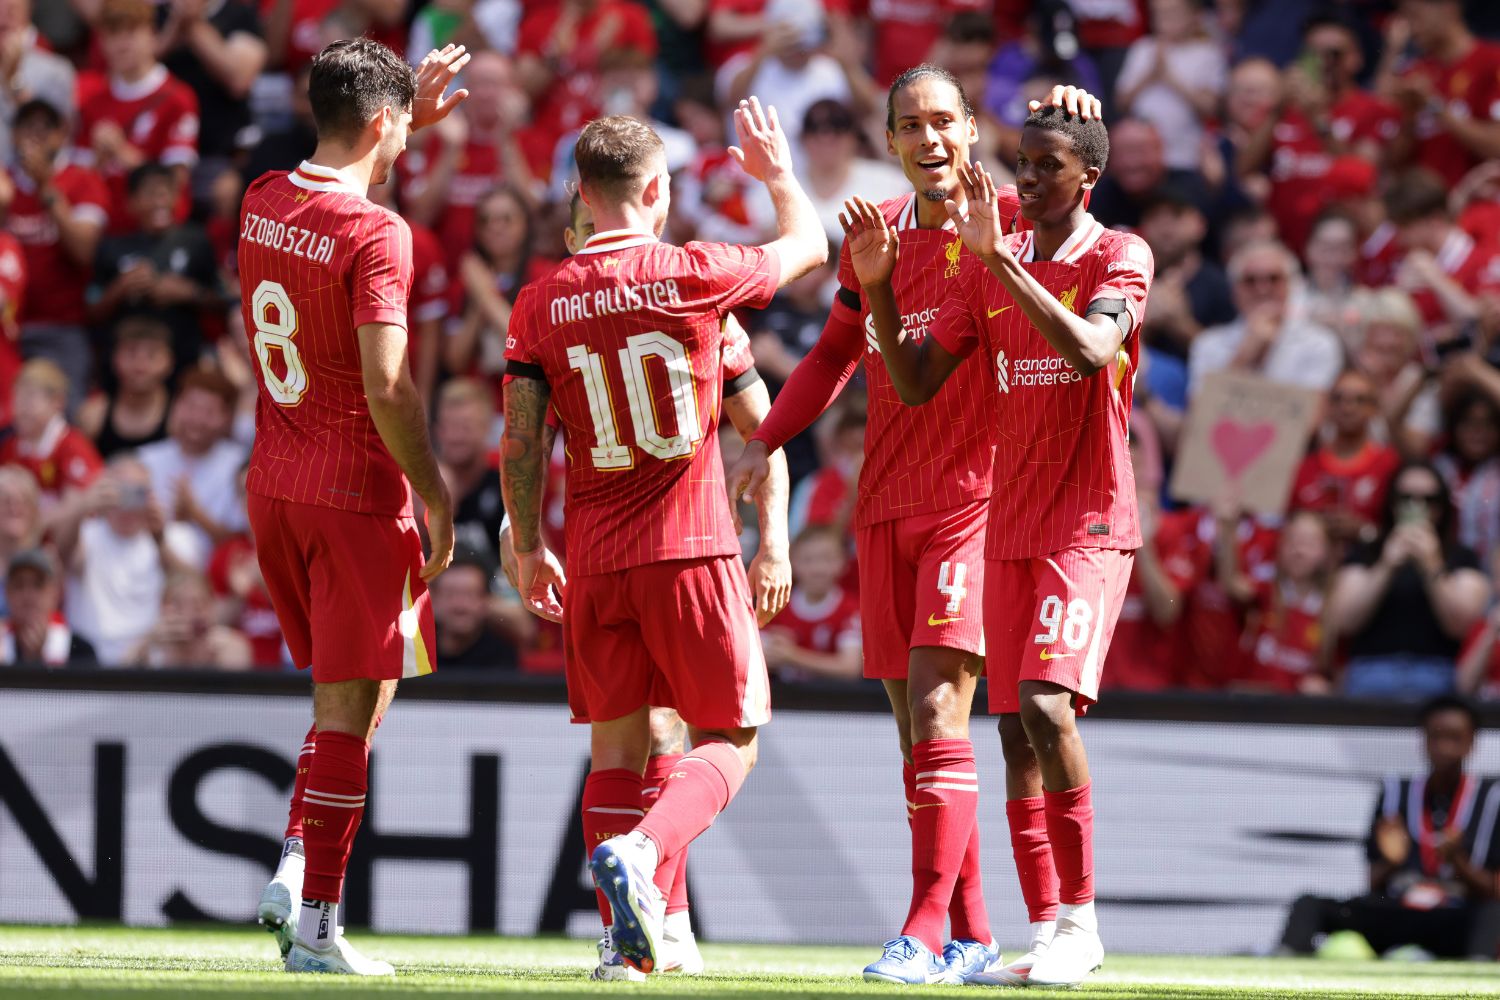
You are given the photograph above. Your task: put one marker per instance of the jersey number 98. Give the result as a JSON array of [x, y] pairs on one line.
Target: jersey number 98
[[275, 322], [608, 452]]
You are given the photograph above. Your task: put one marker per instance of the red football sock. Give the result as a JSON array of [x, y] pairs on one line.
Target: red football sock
[[299, 785], [611, 808], [671, 874], [1033, 853], [332, 806], [705, 780], [943, 816], [1070, 829], [909, 780], [968, 918]]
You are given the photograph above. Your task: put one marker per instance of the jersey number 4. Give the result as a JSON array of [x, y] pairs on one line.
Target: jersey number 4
[[275, 321], [608, 452]]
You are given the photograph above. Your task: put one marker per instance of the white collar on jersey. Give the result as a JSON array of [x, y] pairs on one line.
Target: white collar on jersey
[[1080, 242], [616, 239], [908, 217], [142, 88], [313, 177]]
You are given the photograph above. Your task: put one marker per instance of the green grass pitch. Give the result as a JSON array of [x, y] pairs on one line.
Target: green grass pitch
[[105, 963]]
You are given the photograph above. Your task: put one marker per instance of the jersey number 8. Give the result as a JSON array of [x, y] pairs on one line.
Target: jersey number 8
[[608, 452], [270, 299]]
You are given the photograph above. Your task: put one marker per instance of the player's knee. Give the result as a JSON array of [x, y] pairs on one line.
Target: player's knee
[[1015, 744], [1046, 713]]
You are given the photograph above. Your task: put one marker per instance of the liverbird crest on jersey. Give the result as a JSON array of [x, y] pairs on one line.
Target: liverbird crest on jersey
[[952, 253]]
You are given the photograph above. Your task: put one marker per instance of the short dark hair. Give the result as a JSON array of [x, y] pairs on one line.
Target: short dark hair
[[970, 28], [37, 108], [352, 79], [1416, 195], [1448, 703], [147, 172], [1328, 17], [615, 155], [141, 329], [926, 71], [1090, 138], [212, 382]]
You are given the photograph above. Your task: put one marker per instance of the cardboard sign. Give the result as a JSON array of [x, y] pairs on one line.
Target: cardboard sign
[[1245, 437]]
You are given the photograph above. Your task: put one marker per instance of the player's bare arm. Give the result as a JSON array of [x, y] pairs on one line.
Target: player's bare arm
[[507, 549], [1087, 343], [918, 370], [401, 420], [438, 69], [765, 154], [771, 569], [523, 473]]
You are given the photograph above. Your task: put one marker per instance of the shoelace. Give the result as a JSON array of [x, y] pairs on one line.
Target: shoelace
[[903, 948]]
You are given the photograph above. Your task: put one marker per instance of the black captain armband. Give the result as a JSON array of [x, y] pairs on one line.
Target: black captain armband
[[525, 369], [848, 297], [1111, 307], [741, 382]]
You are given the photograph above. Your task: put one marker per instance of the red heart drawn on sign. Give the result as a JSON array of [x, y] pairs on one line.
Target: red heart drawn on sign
[[1239, 445]]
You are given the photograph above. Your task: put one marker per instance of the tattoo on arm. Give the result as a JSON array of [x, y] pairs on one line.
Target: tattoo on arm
[[525, 448]]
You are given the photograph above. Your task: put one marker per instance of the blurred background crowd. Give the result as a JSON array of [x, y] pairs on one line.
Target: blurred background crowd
[[1319, 181]]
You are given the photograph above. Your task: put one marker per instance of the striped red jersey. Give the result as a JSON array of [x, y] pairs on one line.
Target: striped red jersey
[[318, 260], [1062, 473], [918, 460], [629, 335]]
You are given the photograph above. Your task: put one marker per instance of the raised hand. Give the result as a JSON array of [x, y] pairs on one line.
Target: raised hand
[[434, 75], [1073, 100], [978, 223], [763, 148], [871, 241]]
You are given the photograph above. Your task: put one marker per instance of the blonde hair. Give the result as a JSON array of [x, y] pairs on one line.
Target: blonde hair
[[467, 390], [45, 375], [1392, 306]]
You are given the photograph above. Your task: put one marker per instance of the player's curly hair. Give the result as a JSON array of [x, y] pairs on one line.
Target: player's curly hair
[[926, 71], [352, 79], [1090, 138]]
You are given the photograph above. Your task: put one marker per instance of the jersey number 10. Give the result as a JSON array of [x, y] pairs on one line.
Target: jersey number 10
[[275, 321], [608, 452]]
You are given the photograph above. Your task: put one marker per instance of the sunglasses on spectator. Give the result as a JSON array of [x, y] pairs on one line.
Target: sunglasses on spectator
[[1253, 278], [1428, 498], [1364, 399]]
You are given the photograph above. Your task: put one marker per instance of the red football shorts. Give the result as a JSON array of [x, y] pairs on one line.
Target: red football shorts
[[677, 634], [921, 583], [1051, 619], [346, 589]]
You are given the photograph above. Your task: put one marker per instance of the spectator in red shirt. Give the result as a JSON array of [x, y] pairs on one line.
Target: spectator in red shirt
[[558, 54], [12, 295], [738, 26], [41, 440], [141, 112], [1346, 475], [297, 30], [1450, 96], [34, 633], [1442, 266], [816, 636], [1147, 648], [28, 68], [905, 32], [241, 595], [57, 211], [1284, 647]]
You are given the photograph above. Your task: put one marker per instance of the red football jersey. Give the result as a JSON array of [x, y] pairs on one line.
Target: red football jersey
[[1283, 637], [1473, 263], [159, 116], [317, 261], [1327, 483], [1468, 88], [257, 618], [827, 626], [612, 26], [56, 286], [1062, 473], [12, 285], [922, 459], [308, 29], [629, 334], [64, 459], [1143, 656]]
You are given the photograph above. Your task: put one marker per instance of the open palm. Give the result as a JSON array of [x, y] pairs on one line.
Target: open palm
[[871, 241], [978, 223]]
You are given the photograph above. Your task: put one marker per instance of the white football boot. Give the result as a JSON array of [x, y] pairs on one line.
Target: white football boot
[[282, 896], [1017, 972], [1075, 950], [679, 949], [341, 959], [612, 967], [623, 868]]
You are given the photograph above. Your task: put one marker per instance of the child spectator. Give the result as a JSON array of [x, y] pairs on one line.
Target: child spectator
[[114, 546], [34, 633], [140, 113], [185, 635], [135, 414], [61, 458], [816, 636], [1284, 648], [243, 601]]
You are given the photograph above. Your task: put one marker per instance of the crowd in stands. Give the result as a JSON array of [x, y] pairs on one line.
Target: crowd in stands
[[1319, 181]]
